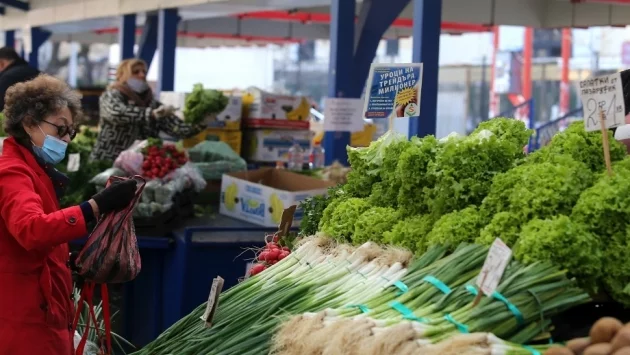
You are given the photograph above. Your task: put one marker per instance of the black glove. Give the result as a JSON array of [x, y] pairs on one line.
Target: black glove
[[116, 196]]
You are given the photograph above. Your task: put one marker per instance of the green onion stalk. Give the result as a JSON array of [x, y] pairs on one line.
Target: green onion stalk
[[519, 311], [314, 277]]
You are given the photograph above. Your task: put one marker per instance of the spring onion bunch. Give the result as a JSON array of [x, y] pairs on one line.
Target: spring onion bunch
[[440, 298], [317, 275], [346, 283]]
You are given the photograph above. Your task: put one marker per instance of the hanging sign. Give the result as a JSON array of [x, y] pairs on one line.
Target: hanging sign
[[603, 94], [393, 90]]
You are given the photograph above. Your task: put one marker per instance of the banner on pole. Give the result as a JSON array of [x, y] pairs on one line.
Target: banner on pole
[[393, 90]]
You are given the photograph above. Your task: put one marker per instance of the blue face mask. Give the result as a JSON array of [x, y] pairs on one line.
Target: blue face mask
[[52, 151]]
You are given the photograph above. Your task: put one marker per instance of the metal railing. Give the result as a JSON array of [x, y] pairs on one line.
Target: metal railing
[[545, 132]]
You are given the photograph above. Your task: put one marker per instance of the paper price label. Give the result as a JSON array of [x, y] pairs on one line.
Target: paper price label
[[213, 301], [491, 273], [603, 94], [74, 162], [343, 115]]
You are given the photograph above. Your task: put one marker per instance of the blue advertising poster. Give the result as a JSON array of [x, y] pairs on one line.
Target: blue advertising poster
[[393, 90]]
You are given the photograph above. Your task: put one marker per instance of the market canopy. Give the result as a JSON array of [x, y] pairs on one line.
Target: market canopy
[[219, 22]]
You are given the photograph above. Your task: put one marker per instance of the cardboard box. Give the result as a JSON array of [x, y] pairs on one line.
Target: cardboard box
[[272, 145], [233, 138], [357, 139], [266, 110], [229, 119], [260, 196]]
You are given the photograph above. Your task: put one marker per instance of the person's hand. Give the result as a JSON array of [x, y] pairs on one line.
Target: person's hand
[[163, 111], [115, 197]]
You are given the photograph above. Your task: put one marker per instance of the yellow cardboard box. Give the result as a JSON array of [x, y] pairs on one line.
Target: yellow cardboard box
[[232, 138], [262, 109]]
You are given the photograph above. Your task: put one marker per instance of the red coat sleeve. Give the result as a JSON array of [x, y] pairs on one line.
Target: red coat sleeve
[[22, 210]]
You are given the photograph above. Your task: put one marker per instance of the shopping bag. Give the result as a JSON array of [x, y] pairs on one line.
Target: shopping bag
[[111, 253]]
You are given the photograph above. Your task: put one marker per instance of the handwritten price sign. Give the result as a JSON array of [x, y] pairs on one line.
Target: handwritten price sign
[[604, 93], [491, 273]]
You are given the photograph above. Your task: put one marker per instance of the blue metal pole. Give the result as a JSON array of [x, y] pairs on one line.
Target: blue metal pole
[[127, 36], [342, 14], [9, 38], [38, 37], [148, 40], [427, 18], [167, 45]]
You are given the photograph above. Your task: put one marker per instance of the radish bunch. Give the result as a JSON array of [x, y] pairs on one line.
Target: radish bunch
[[270, 255]]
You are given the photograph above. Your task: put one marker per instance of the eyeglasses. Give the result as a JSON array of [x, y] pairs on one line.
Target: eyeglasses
[[63, 130]]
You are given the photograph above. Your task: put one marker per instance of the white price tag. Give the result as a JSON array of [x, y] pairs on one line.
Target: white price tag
[[74, 162], [213, 301], [604, 93], [497, 260], [343, 115]]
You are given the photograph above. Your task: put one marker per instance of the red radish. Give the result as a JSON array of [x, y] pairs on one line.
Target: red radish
[[286, 249], [257, 269], [272, 246], [264, 256], [275, 239], [273, 262], [273, 254]]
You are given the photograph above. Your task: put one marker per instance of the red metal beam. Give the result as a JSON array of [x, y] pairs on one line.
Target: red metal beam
[[324, 18], [200, 35]]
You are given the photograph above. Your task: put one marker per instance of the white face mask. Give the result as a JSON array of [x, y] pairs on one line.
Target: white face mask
[[137, 85]]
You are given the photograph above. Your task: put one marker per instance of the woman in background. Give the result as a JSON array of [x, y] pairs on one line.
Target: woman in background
[[129, 112]]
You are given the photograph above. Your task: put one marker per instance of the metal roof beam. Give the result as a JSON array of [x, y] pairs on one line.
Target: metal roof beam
[[18, 4]]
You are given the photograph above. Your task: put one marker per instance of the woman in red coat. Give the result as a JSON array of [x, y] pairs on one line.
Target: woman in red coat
[[36, 306]]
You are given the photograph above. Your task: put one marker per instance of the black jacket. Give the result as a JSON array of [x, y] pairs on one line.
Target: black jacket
[[19, 71]]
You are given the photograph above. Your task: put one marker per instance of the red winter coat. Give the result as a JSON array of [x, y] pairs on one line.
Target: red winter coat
[[36, 309]]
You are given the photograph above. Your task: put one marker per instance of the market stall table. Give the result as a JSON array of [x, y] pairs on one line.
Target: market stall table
[[204, 249]]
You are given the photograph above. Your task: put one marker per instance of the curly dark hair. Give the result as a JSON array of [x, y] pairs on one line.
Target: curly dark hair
[[30, 102]]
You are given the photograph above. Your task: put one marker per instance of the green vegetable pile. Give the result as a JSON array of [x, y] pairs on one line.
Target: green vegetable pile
[[201, 103], [555, 205], [79, 190], [2, 132]]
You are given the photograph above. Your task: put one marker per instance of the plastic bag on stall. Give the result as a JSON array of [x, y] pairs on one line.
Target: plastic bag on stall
[[102, 178], [148, 194], [164, 193], [190, 176], [111, 253], [146, 210], [208, 151], [130, 161]]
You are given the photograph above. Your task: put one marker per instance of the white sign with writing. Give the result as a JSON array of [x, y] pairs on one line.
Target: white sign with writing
[[603, 94], [213, 301], [343, 115], [74, 162], [492, 271]]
